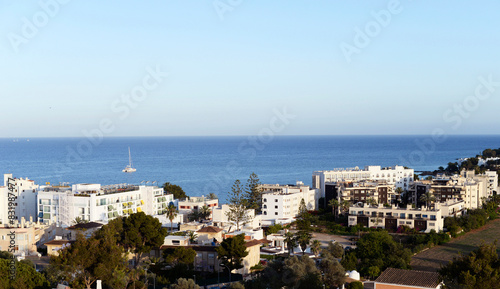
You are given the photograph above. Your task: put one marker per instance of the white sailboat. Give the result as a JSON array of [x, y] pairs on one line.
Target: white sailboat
[[129, 168]]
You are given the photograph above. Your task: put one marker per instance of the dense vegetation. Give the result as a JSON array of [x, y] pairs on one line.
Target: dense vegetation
[[473, 164], [479, 269]]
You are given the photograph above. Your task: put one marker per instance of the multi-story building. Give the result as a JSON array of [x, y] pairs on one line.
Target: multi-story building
[[283, 201], [94, 203], [24, 190], [361, 191], [399, 176], [470, 188], [185, 206], [220, 218], [421, 219]]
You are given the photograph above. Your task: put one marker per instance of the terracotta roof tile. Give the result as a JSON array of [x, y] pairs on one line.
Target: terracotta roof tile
[[209, 229], [58, 242], [88, 225], [253, 243], [409, 278]]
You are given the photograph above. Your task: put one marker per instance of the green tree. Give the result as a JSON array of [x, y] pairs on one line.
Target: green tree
[[79, 220], [237, 206], [303, 217], [192, 237], [316, 247], [335, 250], [212, 196], [379, 249], [177, 191], [232, 251], [185, 284], [479, 269], [355, 285], [291, 242], [26, 276], [428, 197], [350, 261], [274, 229], [334, 203], [254, 193], [333, 273], [181, 254], [301, 273], [304, 238], [371, 201], [237, 285], [171, 214], [87, 260], [205, 212], [139, 233]]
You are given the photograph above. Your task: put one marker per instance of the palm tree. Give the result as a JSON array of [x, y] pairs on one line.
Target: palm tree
[[192, 237], [212, 196], [345, 206], [303, 238], [428, 197], [171, 214], [205, 212], [334, 204], [316, 247], [371, 202], [291, 242]]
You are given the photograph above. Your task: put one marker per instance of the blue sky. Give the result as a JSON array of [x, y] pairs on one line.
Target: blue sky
[[230, 71]]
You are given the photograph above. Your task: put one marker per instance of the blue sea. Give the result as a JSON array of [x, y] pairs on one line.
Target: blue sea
[[202, 165]]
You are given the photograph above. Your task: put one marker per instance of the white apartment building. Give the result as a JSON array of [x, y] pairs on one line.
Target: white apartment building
[[280, 203], [99, 204], [397, 175], [220, 219], [422, 219], [185, 206], [25, 204]]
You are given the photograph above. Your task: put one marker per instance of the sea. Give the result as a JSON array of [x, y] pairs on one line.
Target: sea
[[203, 165]]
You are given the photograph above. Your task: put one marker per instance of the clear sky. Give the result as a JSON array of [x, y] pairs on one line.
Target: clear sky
[[340, 67]]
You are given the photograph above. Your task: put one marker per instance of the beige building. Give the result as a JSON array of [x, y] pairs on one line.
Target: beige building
[[391, 218], [207, 235], [54, 246]]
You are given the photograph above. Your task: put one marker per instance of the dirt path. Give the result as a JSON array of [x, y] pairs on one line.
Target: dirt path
[[434, 258]]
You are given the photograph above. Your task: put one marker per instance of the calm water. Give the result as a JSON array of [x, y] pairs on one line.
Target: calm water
[[201, 165]]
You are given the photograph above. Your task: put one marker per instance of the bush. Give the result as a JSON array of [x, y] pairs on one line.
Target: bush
[[355, 285]]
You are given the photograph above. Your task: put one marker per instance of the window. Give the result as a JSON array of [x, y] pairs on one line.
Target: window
[[275, 207], [431, 224], [211, 256], [433, 217], [265, 206], [265, 200], [276, 200], [265, 213], [176, 242], [276, 213], [408, 223]]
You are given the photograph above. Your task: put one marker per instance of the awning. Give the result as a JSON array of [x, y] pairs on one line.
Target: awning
[[139, 209], [115, 214], [110, 215], [142, 202]]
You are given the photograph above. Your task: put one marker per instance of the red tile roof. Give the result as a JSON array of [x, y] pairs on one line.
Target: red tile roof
[[409, 278], [253, 243], [84, 226], [58, 242], [209, 229]]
